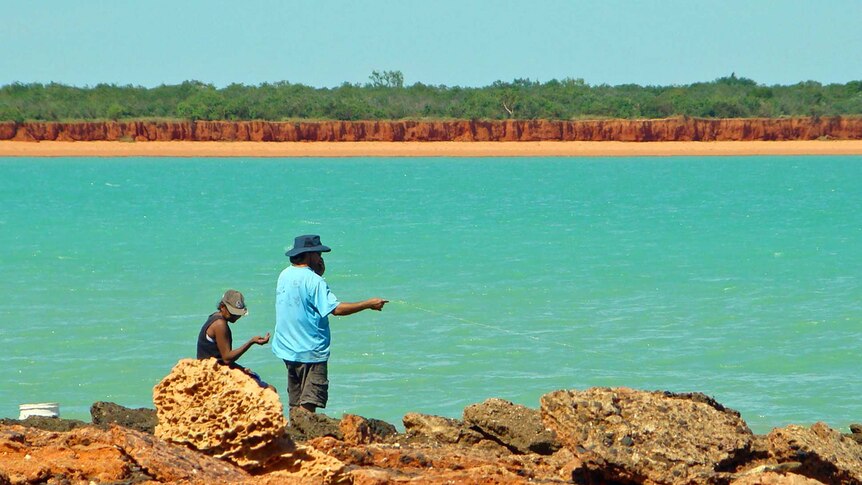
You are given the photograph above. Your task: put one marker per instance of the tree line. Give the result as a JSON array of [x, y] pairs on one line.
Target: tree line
[[386, 97]]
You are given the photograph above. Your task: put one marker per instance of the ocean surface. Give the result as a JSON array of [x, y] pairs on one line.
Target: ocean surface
[[738, 277]]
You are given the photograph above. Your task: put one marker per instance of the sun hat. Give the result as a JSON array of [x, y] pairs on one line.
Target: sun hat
[[309, 243], [234, 302]]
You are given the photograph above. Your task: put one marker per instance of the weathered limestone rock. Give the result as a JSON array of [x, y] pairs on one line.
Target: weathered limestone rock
[[617, 436], [390, 463], [856, 433], [305, 425], [362, 431], [439, 429], [44, 422], [629, 436], [822, 452], [221, 412], [28, 456], [164, 462], [305, 464], [91, 454], [141, 419], [775, 478], [517, 427]]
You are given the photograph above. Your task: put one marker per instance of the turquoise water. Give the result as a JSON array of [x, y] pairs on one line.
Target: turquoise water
[[738, 277]]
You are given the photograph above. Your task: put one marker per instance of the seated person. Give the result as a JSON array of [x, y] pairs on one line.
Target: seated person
[[215, 339]]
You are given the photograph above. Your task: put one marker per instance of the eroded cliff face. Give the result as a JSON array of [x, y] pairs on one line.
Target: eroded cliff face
[[671, 129]]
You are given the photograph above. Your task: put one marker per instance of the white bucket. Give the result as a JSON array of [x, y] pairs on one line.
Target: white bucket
[[46, 409]]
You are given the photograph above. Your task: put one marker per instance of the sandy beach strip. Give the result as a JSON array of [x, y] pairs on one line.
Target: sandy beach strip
[[424, 149]]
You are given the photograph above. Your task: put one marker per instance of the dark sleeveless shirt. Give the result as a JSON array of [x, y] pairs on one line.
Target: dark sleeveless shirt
[[207, 349]]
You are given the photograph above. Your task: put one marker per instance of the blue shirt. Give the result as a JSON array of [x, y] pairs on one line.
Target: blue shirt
[[303, 303]]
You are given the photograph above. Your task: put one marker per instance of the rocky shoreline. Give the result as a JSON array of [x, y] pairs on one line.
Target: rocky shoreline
[[647, 130], [212, 425]]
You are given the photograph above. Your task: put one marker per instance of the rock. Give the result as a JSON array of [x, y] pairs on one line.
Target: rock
[[92, 454], [439, 429], [358, 430], [371, 476], [305, 425], [774, 478], [385, 463], [305, 464], [855, 433], [221, 412], [141, 419], [630, 436], [702, 398], [167, 462], [517, 427], [823, 454], [46, 423], [486, 475]]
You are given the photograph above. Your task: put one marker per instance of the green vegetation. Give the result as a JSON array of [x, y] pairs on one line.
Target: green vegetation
[[386, 97]]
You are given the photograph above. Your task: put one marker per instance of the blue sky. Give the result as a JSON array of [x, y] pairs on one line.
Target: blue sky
[[451, 42]]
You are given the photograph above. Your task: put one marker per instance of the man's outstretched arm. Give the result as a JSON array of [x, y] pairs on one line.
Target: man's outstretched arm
[[348, 308]]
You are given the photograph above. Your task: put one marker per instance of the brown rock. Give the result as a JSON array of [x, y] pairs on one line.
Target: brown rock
[[305, 425], [485, 475], [517, 427], [30, 455], [439, 429], [305, 464], [371, 476], [629, 436], [91, 454], [436, 463], [355, 429], [358, 430], [141, 419], [220, 411], [823, 453], [775, 478], [46, 423], [167, 462], [855, 433]]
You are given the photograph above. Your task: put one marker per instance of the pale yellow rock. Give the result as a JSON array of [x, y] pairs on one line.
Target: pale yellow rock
[[221, 412], [774, 478], [306, 464]]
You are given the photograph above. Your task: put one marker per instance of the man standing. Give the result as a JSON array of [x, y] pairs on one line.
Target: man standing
[[303, 303]]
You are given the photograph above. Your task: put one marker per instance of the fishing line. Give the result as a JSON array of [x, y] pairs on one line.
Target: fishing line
[[484, 325]]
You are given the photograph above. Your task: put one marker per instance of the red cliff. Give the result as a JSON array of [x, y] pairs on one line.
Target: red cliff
[[671, 129]]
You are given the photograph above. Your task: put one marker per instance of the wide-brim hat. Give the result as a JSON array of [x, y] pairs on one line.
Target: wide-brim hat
[[310, 243], [234, 302]]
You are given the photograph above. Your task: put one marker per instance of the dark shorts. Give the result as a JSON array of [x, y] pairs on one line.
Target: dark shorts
[[307, 383]]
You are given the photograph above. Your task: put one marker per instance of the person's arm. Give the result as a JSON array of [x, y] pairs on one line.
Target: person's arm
[[348, 308], [229, 355]]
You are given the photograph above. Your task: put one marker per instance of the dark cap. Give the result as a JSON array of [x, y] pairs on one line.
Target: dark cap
[[234, 302], [309, 243]]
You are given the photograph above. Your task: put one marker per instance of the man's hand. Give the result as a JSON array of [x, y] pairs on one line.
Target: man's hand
[[377, 303], [261, 340]]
